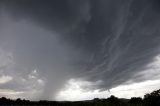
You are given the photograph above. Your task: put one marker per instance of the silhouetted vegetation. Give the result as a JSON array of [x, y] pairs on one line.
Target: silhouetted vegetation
[[151, 99]]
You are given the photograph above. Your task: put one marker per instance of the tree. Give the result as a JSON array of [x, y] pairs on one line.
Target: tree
[[114, 101], [136, 100], [152, 99]]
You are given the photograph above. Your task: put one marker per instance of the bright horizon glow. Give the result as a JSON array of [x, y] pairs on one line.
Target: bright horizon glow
[[74, 88], [74, 92]]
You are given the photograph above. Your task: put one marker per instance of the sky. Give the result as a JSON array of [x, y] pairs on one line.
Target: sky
[[79, 49]]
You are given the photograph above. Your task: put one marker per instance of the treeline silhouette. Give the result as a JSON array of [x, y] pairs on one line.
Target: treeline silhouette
[[150, 99]]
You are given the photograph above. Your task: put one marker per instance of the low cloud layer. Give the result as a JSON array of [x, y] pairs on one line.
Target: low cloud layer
[[106, 41]]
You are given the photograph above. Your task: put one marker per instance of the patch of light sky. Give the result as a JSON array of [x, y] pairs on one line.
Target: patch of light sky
[[74, 88]]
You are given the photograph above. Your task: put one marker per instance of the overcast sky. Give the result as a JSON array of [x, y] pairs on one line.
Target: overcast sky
[[79, 49]]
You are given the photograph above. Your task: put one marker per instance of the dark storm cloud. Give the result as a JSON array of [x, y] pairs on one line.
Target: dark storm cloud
[[116, 39]]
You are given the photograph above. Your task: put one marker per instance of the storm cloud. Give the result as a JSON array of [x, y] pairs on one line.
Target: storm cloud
[[95, 40]]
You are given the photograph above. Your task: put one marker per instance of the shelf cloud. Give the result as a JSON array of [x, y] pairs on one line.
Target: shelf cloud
[[44, 44]]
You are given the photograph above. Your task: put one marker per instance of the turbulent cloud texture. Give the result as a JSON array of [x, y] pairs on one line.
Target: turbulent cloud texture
[[47, 43]]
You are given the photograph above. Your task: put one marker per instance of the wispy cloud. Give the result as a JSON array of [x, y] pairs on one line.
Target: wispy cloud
[[5, 79]]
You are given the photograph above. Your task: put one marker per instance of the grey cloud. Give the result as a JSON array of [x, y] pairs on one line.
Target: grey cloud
[[106, 40]]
